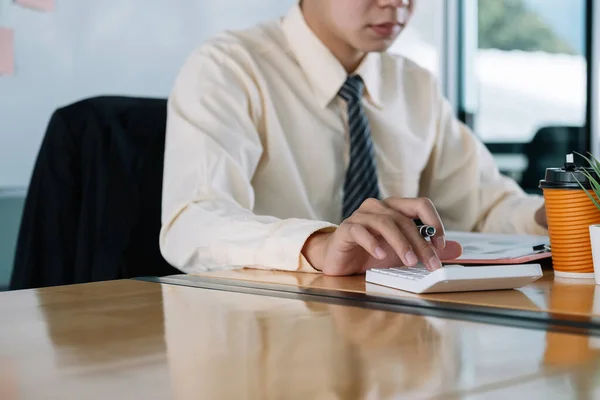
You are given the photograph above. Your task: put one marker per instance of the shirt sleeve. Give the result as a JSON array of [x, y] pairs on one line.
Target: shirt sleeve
[[212, 150], [463, 181]]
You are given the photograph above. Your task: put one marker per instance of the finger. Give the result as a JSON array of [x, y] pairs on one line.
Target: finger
[[452, 251], [385, 226], [372, 205], [423, 209], [367, 241], [420, 245]]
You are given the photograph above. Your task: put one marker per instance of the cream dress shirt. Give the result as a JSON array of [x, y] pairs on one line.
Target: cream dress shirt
[[257, 147]]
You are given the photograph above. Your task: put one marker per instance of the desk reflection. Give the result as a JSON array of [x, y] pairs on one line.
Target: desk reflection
[[97, 341], [278, 348], [140, 340], [573, 350]]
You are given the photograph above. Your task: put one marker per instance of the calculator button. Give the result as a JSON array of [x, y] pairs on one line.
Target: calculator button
[[382, 271]]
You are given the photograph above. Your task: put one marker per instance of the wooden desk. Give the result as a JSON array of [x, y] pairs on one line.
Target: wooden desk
[[139, 340], [571, 302]]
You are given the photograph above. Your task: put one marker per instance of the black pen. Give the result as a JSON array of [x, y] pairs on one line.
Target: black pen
[[426, 231], [541, 248]]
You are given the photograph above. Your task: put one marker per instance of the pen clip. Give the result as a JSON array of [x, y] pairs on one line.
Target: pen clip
[[541, 248]]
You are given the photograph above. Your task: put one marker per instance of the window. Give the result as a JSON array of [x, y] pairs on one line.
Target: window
[[524, 79]]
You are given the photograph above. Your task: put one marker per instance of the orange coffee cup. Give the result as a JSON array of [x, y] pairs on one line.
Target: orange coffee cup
[[570, 212]]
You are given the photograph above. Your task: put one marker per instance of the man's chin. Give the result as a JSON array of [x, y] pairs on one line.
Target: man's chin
[[377, 46]]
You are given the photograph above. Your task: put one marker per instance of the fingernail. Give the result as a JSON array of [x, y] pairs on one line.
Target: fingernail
[[380, 253], [440, 242], [411, 258], [434, 263]]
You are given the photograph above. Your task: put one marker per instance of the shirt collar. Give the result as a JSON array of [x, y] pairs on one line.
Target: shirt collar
[[325, 73]]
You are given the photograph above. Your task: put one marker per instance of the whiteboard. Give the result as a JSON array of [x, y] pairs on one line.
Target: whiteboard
[[101, 47]]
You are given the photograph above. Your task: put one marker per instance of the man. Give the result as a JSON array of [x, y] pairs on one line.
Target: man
[[301, 145]]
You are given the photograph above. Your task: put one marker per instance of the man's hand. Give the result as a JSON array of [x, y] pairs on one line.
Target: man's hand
[[541, 218], [381, 234]]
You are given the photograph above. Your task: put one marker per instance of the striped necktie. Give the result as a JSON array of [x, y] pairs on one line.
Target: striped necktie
[[361, 176]]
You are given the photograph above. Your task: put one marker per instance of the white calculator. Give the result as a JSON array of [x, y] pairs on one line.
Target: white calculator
[[455, 278]]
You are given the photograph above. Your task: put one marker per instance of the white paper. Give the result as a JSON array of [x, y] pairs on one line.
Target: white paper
[[487, 246]]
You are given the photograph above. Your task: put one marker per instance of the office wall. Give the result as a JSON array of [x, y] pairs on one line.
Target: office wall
[[87, 48]]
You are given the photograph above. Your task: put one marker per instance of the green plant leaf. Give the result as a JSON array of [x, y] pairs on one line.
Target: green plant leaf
[[592, 156], [595, 186], [595, 164]]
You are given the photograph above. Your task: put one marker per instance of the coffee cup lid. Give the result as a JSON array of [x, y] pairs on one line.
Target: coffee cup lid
[[570, 176]]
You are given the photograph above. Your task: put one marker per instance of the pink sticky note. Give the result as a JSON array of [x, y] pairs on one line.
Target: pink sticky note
[[7, 51], [42, 5]]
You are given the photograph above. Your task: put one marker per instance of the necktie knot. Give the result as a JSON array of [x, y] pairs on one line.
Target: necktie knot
[[352, 89]]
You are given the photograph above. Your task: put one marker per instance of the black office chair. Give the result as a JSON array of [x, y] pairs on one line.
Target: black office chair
[[548, 148], [92, 211]]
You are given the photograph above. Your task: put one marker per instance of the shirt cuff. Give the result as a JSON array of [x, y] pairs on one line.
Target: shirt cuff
[[515, 215], [527, 214], [284, 246]]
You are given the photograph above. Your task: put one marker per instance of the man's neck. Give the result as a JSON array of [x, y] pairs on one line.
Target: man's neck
[[349, 57]]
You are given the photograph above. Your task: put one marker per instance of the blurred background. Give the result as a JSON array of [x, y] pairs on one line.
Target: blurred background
[[522, 73]]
